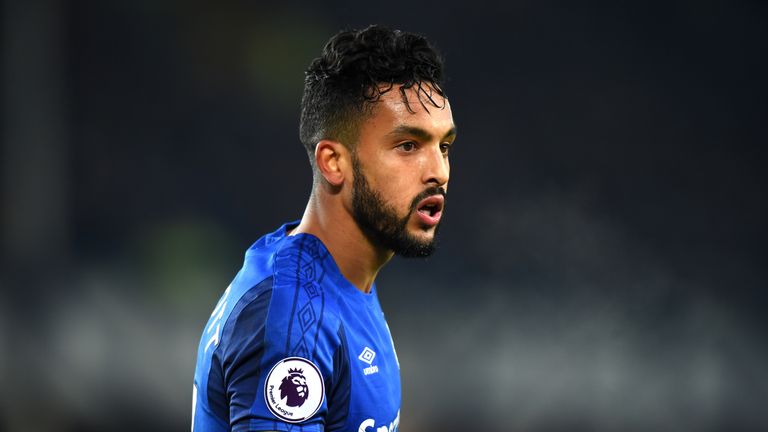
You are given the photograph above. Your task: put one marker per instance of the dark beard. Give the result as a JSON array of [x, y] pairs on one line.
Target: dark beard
[[379, 221]]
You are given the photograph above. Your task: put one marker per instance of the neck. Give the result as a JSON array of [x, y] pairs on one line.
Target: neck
[[357, 258]]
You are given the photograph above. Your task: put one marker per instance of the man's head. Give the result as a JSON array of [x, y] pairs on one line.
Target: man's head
[[356, 67], [378, 126]]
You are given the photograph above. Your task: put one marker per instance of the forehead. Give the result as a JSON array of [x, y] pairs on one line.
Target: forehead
[[416, 106]]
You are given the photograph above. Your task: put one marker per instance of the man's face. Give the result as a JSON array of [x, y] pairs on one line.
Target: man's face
[[400, 171]]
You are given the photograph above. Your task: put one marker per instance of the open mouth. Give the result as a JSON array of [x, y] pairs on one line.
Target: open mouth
[[430, 209]]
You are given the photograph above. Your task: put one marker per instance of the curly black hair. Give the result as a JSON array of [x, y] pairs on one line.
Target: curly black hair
[[355, 69]]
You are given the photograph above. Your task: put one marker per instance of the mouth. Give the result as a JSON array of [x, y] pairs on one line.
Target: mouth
[[430, 210]]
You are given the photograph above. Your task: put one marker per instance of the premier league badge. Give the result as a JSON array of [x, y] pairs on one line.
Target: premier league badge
[[294, 389]]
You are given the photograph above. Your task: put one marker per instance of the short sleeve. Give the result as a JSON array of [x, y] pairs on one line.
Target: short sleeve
[[276, 363]]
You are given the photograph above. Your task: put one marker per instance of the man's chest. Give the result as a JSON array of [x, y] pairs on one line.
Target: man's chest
[[374, 375]]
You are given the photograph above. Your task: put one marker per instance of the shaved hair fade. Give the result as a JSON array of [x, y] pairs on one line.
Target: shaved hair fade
[[355, 69]]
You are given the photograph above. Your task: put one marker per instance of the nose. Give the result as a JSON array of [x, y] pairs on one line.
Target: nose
[[436, 167]]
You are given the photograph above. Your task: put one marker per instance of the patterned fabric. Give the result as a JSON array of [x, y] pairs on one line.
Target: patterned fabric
[[293, 346]]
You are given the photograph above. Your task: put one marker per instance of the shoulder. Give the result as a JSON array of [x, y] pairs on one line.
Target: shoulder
[[304, 315], [251, 291], [282, 296], [298, 259]]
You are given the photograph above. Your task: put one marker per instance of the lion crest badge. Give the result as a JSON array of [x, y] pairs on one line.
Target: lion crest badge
[[294, 389]]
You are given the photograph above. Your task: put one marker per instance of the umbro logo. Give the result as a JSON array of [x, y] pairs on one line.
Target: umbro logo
[[367, 356]]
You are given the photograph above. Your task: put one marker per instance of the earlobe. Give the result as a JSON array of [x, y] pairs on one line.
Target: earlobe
[[328, 155]]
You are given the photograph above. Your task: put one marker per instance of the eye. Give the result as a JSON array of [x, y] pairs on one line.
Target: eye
[[445, 148], [408, 146]]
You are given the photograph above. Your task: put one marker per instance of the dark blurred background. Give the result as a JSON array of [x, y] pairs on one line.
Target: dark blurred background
[[602, 263]]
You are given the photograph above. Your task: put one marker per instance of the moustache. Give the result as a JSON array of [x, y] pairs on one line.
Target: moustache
[[428, 192]]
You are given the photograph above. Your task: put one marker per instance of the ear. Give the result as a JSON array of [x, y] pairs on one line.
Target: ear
[[330, 158]]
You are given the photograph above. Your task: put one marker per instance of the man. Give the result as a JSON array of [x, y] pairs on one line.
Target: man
[[298, 341]]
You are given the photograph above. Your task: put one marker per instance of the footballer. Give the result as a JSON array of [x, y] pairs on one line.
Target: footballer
[[298, 341]]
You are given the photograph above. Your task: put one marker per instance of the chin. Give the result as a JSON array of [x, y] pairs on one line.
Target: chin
[[424, 235], [423, 232]]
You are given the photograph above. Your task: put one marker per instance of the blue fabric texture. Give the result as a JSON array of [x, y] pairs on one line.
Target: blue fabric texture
[[293, 346]]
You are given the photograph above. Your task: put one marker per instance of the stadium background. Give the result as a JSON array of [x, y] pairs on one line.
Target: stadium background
[[602, 263]]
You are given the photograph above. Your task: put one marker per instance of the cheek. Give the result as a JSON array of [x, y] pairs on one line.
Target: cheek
[[396, 180], [396, 192]]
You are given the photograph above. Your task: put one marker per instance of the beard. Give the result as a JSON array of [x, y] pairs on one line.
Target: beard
[[380, 222]]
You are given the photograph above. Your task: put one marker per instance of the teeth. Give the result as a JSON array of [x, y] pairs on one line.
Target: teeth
[[431, 209]]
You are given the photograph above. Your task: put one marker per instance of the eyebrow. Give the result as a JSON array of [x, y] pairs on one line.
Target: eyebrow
[[420, 133]]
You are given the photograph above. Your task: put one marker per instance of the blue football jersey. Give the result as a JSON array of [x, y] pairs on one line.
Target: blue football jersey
[[293, 346]]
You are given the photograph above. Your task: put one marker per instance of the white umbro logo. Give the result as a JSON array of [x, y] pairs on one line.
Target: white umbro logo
[[367, 355]]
